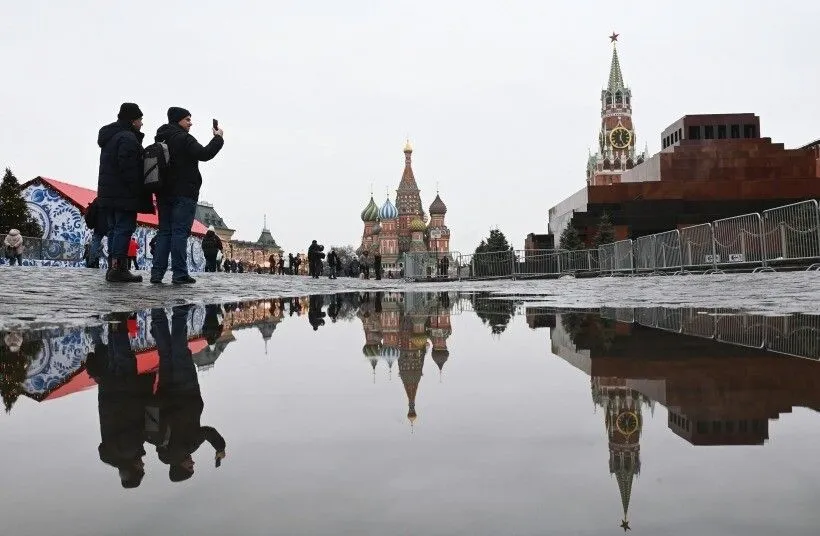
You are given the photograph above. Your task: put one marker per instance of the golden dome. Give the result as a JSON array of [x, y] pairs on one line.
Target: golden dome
[[408, 147], [418, 225]]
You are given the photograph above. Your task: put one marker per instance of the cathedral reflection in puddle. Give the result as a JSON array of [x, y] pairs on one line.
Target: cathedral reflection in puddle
[[722, 376]]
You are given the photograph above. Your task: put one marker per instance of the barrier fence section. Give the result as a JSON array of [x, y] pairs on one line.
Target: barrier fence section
[[792, 232], [48, 250], [430, 265], [624, 257], [697, 244], [739, 240], [795, 335], [537, 262]]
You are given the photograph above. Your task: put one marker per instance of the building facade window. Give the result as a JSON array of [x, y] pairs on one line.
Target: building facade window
[[748, 131], [708, 132], [734, 131], [721, 131], [694, 133]]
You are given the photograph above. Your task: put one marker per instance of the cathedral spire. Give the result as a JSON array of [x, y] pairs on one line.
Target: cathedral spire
[[616, 78]]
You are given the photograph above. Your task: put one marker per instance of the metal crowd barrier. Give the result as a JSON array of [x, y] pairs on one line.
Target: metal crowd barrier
[[432, 265], [739, 240], [796, 335], [792, 232], [697, 243], [47, 250]]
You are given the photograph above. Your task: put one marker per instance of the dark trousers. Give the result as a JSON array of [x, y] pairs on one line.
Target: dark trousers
[[176, 215], [210, 263], [121, 225], [177, 371], [15, 258]]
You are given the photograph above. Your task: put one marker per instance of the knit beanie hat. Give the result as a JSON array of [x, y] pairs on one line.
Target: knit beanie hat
[[176, 114], [129, 112]]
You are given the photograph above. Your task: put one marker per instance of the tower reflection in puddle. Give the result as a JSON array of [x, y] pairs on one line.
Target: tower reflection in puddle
[[722, 375], [397, 329]]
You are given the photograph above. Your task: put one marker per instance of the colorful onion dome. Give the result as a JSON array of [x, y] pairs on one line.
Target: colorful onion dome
[[388, 211], [438, 206], [371, 211], [418, 225]]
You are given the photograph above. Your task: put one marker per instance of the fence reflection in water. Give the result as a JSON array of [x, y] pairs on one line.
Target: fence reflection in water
[[793, 334]]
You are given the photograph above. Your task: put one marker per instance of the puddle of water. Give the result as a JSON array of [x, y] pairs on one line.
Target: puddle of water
[[391, 413]]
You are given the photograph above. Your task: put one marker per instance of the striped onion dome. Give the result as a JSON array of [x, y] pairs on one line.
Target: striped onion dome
[[388, 211], [371, 211]]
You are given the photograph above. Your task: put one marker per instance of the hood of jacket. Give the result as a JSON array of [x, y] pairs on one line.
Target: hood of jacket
[[14, 232], [168, 131], [109, 131]]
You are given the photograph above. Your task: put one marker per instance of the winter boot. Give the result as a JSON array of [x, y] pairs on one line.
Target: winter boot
[[121, 274], [110, 269]]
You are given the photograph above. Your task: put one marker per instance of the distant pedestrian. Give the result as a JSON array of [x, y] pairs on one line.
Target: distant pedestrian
[[377, 265], [365, 264], [14, 247], [290, 263], [177, 199], [120, 189], [333, 263], [211, 246], [133, 248], [281, 262]]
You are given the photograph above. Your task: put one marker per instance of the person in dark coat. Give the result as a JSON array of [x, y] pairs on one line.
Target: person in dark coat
[[377, 265], [333, 263], [226, 266], [177, 199], [290, 264], [180, 397], [281, 264], [316, 317], [312, 252], [122, 395], [120, 191], [211, 246]]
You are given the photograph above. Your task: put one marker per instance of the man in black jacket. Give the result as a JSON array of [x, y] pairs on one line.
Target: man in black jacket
[[177, 199], [120, 192], [211, 246]]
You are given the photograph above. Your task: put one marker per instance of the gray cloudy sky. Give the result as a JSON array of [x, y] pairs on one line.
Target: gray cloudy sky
[[316, 97]]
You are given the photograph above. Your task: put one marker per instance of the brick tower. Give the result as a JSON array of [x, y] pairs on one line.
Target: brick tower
[[408, 201], [616, 140]]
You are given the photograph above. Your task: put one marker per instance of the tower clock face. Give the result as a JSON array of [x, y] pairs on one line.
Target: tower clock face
[[620, 138], [627, 423]]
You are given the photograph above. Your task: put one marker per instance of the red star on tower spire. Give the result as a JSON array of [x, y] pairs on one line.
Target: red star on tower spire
[[613, 37]]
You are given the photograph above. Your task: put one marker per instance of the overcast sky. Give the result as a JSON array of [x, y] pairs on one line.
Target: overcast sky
[[500, 99]]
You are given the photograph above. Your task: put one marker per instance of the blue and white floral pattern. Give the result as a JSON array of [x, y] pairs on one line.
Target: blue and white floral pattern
[[62, 220], [64, 351]]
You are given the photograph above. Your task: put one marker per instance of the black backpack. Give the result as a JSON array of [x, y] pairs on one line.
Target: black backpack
[[156, 161]]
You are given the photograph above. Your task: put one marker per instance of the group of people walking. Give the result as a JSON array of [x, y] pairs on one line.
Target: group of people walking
[[122, 194]]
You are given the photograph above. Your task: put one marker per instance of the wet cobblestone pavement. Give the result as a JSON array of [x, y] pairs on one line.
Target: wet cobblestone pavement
[[36, 297]]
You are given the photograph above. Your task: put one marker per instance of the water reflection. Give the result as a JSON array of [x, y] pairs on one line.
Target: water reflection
[[721, 376], [710, 368]]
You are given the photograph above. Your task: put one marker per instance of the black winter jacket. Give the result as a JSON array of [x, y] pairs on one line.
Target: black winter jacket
[[211, 244], [184, 179], [119, 185]]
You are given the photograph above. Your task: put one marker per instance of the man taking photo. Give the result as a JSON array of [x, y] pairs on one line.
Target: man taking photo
[[176, 200]]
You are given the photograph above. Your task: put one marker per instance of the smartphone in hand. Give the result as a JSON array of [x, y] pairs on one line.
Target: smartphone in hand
[[216, 124]]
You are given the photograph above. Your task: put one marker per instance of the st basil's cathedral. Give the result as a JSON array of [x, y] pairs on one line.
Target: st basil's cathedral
[[392, 230]]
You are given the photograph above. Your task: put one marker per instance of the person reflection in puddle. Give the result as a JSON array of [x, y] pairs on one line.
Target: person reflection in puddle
[[122, 395], [316, 316], [179, 397]]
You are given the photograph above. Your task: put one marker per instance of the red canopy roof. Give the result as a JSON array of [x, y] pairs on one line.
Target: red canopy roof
[[82, 197]]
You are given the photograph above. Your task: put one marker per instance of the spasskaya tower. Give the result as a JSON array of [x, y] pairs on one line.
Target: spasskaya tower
[[616, 140]]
